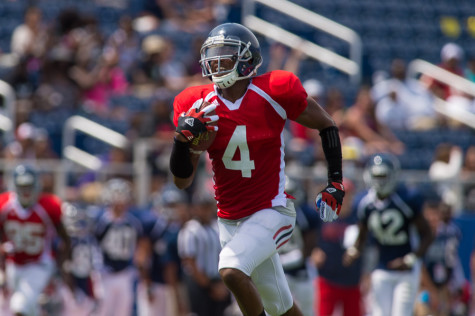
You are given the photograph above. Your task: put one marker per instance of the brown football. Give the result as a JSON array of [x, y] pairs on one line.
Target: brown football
[[205, 140]]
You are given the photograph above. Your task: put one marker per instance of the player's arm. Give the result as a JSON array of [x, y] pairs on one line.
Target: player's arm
[[426, 237], [190, 125], [314, 116], [354, 252], [170, 276], [65, 240], [64, 256], [142, 256], [183, 163], [425, 234]]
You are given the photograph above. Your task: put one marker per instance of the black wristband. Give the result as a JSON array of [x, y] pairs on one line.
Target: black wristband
[[332, 149], [180, 160]]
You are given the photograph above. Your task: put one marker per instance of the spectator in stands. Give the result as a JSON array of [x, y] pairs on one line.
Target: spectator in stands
[[444, 171], [99, 84], [335, 105], [127, 43], [401, 102], [23, 147], [43, 149], [157, 123], [283, 58], [361, 123], [57, 92], [29, 38], [468, 178], [187, 16], [470, 69], [159, 66], [451, 56]]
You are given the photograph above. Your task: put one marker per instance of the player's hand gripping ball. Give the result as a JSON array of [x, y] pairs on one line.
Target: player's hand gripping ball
[[199, 125]]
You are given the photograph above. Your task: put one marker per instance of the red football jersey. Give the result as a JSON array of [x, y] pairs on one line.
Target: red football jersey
[[29, 232], [248, 152]]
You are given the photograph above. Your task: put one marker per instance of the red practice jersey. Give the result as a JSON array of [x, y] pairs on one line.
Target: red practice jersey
[[248, 152], [29, 232]]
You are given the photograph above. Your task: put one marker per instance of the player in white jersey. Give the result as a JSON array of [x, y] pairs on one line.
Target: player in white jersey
[[255, 216]]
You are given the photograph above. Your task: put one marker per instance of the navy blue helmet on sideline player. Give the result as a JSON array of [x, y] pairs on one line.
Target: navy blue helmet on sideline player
[[235, 42], [382, 173], [26, 184]]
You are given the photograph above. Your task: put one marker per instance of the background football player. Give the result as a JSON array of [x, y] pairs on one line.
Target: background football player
[[81, 300], [29, 222], [119, 233], [160, 290], [388, 212]]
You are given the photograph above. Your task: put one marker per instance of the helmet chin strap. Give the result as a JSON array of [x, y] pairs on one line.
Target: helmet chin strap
[[227, 80]]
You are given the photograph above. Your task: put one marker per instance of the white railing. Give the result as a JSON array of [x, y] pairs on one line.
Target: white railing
[[71, 153], [418, 66], [350, 66], [7, 119]]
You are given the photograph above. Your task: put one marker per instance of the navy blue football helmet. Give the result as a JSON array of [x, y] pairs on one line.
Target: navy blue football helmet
[[382, 173], [26, 184], [230, 41]]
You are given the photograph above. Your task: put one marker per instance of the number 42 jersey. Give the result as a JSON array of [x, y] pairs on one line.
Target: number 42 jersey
[[248, 152], [389, 221]]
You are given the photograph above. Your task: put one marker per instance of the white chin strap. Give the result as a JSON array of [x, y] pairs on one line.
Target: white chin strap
[[227, 80]]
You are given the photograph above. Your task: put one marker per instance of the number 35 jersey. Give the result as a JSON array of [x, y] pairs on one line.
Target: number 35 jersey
[[28, 234], [389, 221], [248, 152]]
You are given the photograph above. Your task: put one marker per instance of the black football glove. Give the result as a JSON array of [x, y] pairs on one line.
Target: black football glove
[[329, 201], [195, 122]]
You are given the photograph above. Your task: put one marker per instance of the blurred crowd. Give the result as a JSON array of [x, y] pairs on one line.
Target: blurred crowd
[[126, 79]]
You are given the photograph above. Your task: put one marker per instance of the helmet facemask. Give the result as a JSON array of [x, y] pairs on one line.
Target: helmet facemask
[[217, 52]]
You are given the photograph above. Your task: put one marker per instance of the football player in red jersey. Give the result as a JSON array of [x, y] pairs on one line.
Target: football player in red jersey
[[29, 221], [255, 216]]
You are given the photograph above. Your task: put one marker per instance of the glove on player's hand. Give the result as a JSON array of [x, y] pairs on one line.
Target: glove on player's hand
[[195, 122], [329, 201]]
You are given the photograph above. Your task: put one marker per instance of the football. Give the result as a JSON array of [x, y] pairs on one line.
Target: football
[[205, 140]]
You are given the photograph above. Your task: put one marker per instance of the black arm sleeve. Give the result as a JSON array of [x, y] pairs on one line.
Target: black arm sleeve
[[180, 160], [332, 149]]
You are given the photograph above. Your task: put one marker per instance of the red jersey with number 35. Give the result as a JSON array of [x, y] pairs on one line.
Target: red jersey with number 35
[[248, 151], [29, 233]]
